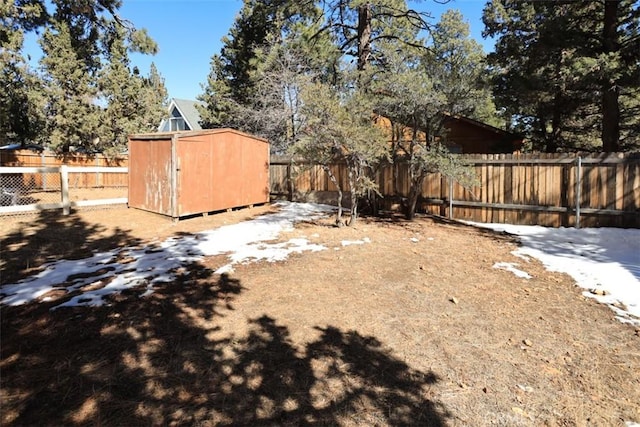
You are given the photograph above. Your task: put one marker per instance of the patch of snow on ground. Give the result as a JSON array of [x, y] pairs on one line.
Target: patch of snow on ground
[[244, 242], [509, 266], [355, 242], [602, 260]]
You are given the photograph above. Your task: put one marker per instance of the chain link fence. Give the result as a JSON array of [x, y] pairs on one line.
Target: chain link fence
[[30, 188], [26, 190]]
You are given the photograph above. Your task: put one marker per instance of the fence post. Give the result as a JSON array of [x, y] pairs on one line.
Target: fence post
[[43, 176], [290, 180], [450, 198], [64, 185], [97, 162], [578, 190]]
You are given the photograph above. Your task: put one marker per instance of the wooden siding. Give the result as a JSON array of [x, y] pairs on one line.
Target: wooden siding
[[466, 135], [204, 171]]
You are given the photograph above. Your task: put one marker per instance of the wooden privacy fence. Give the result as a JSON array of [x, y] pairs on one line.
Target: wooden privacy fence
[[97, 179], [545, 189], [536, 189], [17, 195]]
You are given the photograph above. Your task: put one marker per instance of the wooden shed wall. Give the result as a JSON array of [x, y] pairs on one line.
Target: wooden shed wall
[[187, 173], [150, 175], [221, 170]]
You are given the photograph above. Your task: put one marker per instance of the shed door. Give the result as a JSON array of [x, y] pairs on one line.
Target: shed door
[[150, 175], [195, 166]]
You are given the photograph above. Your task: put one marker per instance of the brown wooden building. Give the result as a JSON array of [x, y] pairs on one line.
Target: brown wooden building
[[186, 173], [463, 135], [468, 136]]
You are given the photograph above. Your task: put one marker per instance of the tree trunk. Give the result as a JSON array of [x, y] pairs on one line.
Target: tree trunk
[[556, 130], [364, 35], [414, 192], [354, 198], [374, 199], [413, 201], [333, 179], [610, 90]]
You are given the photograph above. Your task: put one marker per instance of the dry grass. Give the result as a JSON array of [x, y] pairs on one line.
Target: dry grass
[[355, 336]]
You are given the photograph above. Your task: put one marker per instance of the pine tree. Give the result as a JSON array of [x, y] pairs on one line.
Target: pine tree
[[231, 83], [414, 94], [564, 69], [134, 104], [285, 64], [76, 39], [360, 28], [21, 103], [458, 63], [220, 108], [338, 128], [72, 113], [155, 98], [417, 90], [620, 74]]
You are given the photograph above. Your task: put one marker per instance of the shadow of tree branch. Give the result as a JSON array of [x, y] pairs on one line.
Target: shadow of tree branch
[[154, 361], [163, 359]]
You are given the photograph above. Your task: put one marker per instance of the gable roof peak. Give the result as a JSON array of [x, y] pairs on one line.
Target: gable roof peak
[[188, 111]]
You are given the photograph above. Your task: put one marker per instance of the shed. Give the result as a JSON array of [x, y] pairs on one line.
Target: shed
[[187, 173]]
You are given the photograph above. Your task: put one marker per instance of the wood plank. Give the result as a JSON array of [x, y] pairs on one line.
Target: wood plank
[[620, 186], [610, 196]]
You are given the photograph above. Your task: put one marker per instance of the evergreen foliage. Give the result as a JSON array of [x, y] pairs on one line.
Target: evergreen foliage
[[458, 64], [70, 90], [416, 93], [361, 28], [567, 73], [235, 72], [21, 103], [133, 103], [310, 78], [338, 129], [85, 94]]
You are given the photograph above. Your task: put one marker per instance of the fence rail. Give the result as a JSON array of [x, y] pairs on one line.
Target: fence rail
[[28, 158], [544, 189], [30, 189]]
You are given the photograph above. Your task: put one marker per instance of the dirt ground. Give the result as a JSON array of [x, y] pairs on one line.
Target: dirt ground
[[414, 328]]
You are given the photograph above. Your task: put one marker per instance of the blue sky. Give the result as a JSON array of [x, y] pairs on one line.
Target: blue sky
[[188, 33]]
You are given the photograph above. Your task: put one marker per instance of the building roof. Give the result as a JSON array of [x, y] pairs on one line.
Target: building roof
[[188, 111], [482, 125]]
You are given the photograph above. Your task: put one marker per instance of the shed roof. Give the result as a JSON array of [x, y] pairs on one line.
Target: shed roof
[[189, 133]]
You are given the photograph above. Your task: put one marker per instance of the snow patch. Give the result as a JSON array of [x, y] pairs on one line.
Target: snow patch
[[509, 266], [244, 242], [355, 242], [607, 259]]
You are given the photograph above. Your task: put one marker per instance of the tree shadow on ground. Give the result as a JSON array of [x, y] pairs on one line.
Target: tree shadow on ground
[[163, 360], [50, 237]]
